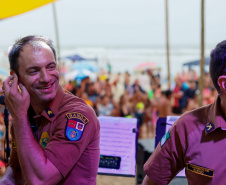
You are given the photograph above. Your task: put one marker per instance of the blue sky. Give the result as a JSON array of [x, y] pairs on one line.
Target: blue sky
[[121, 23]]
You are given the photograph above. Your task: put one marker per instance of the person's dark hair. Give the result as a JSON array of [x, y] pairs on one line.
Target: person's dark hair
[[167, 93], [218, 63], [18, 46]]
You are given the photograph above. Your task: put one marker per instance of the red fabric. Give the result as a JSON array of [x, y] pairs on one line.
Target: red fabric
[[176, 100]]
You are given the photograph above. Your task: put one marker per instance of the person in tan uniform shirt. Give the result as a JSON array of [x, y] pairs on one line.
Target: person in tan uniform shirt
[[197, 140], [55, 134]]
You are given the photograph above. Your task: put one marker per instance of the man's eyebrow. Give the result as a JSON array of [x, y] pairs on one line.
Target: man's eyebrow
[[36, 67], [33, 67], [51, 63]]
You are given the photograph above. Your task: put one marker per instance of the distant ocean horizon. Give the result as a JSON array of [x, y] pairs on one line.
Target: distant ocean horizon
[[124, 59], [127, 58]]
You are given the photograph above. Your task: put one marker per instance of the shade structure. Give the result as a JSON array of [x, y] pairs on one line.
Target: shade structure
[[196, 62], [80, 58], [15, 7], [78, 75], [145, 65], [85, 65], [75, 58]]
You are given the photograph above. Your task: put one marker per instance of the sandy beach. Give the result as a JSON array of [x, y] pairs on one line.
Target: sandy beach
[[115, 180]]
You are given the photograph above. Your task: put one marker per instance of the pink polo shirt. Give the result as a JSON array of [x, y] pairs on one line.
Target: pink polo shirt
[[74, 153], [197, 141]]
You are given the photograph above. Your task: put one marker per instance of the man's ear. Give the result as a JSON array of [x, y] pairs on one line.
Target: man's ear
[[222, 82], [13, 72]]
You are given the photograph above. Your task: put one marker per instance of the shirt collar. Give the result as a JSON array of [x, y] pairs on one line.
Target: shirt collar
[[51, 111], [215, 117]]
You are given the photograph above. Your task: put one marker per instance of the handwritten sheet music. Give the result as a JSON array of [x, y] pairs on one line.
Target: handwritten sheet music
[[118, 138]]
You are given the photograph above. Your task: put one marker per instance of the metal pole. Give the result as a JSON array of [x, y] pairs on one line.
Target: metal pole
[[56, 32], [167, 46], [201, 79]]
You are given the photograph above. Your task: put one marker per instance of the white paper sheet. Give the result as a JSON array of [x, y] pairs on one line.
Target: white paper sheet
[[169, 122], [117, 138]]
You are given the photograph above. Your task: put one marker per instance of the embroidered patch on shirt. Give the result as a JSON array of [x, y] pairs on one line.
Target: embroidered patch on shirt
[[75, 125], [79, 116], [14, 144], [44, 140], [165, 138], [200, 170], [209, 127], [49, 112]]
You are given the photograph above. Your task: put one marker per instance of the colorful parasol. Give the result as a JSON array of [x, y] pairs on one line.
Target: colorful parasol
[[144, 66], [15, 7]]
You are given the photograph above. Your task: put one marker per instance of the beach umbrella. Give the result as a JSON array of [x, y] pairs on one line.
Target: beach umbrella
[[84, 65], [80, 58], [144, 66], [75, 58], [78, 75], [197, 62], [15, 7]]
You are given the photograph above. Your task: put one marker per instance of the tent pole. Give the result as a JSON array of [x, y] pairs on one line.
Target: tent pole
[[56, 33], [201, 79], [62, 81], [167, 46]]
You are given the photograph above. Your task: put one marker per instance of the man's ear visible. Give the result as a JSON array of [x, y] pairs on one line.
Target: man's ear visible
[[13, 72], [222, 82]]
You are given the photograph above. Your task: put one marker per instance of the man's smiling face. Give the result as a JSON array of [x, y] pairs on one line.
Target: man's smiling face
[[38, 72]]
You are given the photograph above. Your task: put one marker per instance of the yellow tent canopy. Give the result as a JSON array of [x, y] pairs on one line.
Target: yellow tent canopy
[[14, 7]]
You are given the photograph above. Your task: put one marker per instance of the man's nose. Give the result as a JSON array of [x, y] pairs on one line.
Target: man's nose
[[44, 76]]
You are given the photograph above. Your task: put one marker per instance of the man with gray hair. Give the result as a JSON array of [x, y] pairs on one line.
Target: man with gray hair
[[55, 134]]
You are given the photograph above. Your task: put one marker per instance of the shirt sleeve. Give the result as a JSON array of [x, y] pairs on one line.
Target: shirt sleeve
[[167, 159], [64, 153]]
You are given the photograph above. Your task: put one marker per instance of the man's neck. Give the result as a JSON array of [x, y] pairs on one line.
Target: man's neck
[[39, 108]]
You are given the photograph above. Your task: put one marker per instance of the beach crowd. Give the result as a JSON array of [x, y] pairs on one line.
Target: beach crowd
[[121, 95], [134, 101]]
